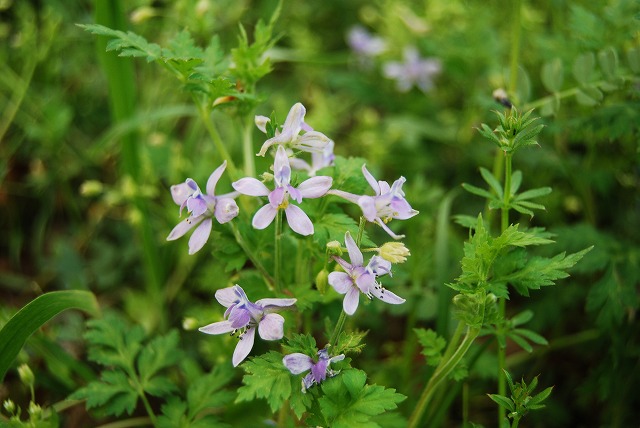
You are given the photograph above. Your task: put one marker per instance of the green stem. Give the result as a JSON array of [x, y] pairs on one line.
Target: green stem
[[442, 371], [515, 422], [336, 331], [249, 253], [132, 422], [247, 148], [515, 47], [147, 406], [361, 225], [205, 116], [278, 251]]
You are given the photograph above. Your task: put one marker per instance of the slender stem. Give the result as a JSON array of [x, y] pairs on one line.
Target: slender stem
[[278, 251], [132, 422], [465, 404], [247, 250], [515, 422], [248, 154], [205, 114], [515, 46], [361, 225], [502, 351], [147, 406], [442, 371], [336, 331]]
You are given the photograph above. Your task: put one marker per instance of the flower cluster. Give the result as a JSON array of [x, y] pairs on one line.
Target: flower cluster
[[243, 317]]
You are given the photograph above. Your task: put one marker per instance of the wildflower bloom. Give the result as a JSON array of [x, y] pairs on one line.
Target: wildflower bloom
[[289, 136], [201, 208], [363, 43], [319, 160], [358, 278], [299, 363], [395, 252], [244, 316], [299, 222], [413, 71], [388, 203]]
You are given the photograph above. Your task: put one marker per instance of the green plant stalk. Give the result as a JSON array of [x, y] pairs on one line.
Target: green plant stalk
[[122, 94], [277, 258], [248, 154], [205, 116], [249, 253], [514, 56], [502, 351], [442, 371], [132, 422]]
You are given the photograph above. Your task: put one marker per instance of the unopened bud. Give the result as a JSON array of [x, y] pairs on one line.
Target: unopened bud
[[394, 252], [34, 410], [202, 7], [142, 13], [9, 406], [26, 375], [334, 248], [91, 188], [322, 280], [190, 323]]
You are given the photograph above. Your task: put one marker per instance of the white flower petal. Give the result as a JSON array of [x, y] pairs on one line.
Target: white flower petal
[[221, 327], [245, 343], [315, 187], [298, 221], [351, 300], [355, 255], [297, 363], [214, 177], [251, 186], [271, 327], [200, 236], [263, 217], [183, 227]]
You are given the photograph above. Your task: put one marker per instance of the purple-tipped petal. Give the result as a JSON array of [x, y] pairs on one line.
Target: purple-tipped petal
[[297, 363], [294, 194], [200, 236], [239, 317], [228, 296], [351, 300], [183, 227], [270, 327], [250, 186], [315, 187], [387, 296], [180, 193], [368, 206], [269, 304], [372, 181], [402, 209], [264, 216], [340, 281], [245, 343], [346, 266], [221, 327], [281, 167], [298, 221], [226, 210], [213, 179], [355, 255], [379, 266]]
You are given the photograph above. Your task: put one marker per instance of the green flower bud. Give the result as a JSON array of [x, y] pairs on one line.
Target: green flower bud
[[26, 375], [322, 281], [9, 406], [334, 248]]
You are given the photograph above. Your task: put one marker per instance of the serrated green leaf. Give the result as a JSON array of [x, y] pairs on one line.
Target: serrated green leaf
[[112, 342], [113, 392], [465, 221], [182, 47], [206, 392], [129, 43], [354, 405], [266, 377], [583, 67], [303, 343], [552, 75], [159, 353], [432, 345], [503, 401], [350, 343], [492, 181], [35, 314]]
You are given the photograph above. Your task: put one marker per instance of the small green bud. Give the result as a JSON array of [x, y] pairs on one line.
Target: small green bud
[[394, 252], [91, 188], [26, 375], [9, 406], [322, 281], [190, 323], [34, 410], [141, 14], [334, 248]]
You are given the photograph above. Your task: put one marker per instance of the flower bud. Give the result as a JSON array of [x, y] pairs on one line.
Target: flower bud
[[91, 188], [190, 323], [34, 410], [9, 406], [322, 280], [334, 248], [394, 252], [26, 375], [141, 14]]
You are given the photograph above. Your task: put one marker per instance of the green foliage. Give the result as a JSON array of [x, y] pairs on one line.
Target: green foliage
[[350, 342], [204, 395], [132, 368], [522, 399], [349, 402], [516, 130]]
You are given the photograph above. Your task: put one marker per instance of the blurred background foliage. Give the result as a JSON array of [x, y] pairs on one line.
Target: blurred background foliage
[[74, 217]]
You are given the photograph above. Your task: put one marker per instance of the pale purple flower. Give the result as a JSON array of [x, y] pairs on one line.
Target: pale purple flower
[[299, 363], [358, 278], [365, 44], [244, 316], [319, 160], [201, 208], [279, 198], [415, 70], [290, 135], [387, 204]]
